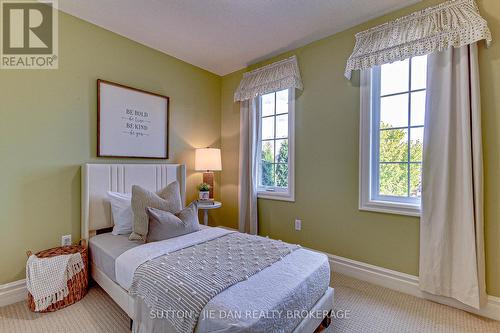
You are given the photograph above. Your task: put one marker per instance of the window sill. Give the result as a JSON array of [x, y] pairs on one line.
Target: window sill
[[280, 196], [391, 208]]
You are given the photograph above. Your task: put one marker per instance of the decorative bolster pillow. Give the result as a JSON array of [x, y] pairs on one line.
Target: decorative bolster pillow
[[165, 225], [167, 199]]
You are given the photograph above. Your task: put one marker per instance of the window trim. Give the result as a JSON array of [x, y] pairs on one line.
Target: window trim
[[289, 194], [366, 203]]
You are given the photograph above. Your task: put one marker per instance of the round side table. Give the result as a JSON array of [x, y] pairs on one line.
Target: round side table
[[206, 207]]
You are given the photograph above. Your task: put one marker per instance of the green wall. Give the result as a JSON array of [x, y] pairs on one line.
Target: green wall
[[327, 132], [48, 129]]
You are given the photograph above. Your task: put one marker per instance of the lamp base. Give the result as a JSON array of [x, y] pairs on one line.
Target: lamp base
[[208, 177]]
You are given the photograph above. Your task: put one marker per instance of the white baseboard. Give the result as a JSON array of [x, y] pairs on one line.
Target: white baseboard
[[13, 292], [405, 283]]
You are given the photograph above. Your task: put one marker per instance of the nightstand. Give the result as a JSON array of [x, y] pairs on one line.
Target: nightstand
[[206, 207]]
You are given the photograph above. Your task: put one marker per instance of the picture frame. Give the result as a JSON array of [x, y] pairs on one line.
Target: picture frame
[[131, 122]]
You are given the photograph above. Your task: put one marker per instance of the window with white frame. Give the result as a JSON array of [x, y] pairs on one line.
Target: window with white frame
[[276, 146], [392, 132]]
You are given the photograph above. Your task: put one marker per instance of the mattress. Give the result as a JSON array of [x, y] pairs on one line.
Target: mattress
[[296, 282], [105, 248]]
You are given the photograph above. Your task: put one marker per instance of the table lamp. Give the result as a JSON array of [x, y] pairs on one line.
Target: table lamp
[[208, 160]]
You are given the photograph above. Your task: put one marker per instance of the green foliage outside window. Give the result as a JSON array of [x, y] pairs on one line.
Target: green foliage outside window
[[282, 168], [274, 174], [267, 164], [393, 177]]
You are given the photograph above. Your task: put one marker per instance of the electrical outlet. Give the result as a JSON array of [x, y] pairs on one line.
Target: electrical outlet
[[298, 225], [66, 240]]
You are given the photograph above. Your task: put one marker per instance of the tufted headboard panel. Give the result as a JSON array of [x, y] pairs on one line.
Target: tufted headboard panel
[[98, 179]]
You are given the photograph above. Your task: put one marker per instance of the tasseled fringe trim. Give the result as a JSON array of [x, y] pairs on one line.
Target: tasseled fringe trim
[[75, 266], [45, 302]]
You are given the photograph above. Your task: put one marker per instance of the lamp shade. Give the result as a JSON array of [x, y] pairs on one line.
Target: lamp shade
[[207, 159]]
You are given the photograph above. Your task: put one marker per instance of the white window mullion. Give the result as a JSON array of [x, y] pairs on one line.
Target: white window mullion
[[375, 124], [408, 144]]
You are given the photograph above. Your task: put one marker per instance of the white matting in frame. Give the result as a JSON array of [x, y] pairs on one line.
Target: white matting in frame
[[131, 122]]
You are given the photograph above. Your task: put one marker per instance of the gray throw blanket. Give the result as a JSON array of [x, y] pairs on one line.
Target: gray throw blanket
[[178, 285]]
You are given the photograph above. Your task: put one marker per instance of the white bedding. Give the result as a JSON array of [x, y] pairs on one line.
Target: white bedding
[[296, 282]]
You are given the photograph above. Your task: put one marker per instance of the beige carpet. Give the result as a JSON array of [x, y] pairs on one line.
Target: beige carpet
[[96, 312], [376, 309], [365, 308]]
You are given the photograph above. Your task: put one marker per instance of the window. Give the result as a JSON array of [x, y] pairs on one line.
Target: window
[[276, 146], [391, 136]]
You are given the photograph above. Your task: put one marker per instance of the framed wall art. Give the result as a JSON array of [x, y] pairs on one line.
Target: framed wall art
[[131, 122]]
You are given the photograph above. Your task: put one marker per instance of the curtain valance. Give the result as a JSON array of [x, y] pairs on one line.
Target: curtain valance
[[453, 23], [283, 74]]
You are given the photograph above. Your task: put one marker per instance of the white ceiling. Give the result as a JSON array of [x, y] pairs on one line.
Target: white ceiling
[[223, 36]]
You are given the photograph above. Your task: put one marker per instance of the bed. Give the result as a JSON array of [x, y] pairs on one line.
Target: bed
[[299, 281]]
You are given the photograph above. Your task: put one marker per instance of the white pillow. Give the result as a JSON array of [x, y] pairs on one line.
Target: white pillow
[[121, 208]]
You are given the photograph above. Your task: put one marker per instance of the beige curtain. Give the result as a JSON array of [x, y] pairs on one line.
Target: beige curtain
[[451, 227], [247, 190]]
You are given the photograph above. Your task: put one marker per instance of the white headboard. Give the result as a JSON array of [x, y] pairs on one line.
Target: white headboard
[[98, 179]]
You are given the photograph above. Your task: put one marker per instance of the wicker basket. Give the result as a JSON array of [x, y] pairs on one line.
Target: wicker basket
[[77, 286]]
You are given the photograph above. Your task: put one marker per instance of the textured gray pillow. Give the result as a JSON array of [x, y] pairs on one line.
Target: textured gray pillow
[[165, 225], [168, 199]]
